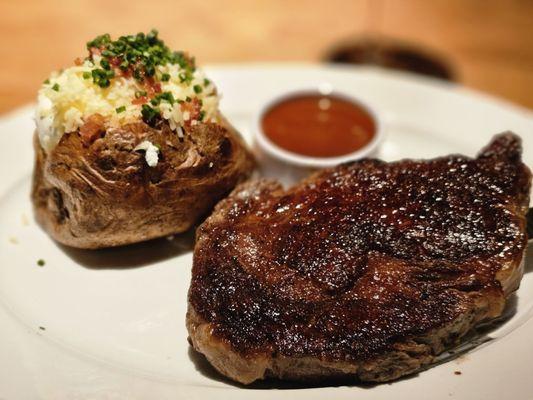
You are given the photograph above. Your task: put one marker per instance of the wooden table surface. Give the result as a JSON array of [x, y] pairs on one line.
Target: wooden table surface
[[489, 42]]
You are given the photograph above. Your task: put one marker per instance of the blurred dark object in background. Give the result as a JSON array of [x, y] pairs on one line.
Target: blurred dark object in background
[[395, 55], [483, 44]]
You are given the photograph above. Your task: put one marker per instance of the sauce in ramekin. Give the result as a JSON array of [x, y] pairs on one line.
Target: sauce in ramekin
[[318, 125]]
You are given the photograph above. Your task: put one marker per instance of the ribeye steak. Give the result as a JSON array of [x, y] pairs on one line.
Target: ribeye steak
[[367, 270]]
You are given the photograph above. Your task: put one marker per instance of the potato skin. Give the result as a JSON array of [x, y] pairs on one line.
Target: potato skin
[[105, 195]]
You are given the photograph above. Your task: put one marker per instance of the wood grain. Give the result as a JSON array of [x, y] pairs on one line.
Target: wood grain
[[490, 42]]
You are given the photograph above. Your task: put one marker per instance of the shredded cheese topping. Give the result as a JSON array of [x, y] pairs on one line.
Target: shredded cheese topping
[[68, 97]]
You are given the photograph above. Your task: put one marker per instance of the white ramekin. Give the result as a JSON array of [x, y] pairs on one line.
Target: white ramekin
[[288, 157]]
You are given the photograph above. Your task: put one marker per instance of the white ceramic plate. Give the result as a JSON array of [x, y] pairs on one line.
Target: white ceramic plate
[[110, 324]]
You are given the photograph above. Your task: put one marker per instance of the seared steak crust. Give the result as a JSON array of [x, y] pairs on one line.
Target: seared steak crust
[[369, 269]]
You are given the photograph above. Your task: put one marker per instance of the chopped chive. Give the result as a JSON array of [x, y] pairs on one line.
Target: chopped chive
[[140, 93], [86, 75], [150, 115], [206, 82], [120, 109], [149, 70], [138, 54], [55, 87], [40, 262], [100, 77], [197, 89], [108, 53], [105, 64], [47, 81], [138, 74], [165, 96], [185, 77]]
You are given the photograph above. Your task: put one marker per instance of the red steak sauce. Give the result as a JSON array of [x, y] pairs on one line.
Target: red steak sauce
[[318, 125]]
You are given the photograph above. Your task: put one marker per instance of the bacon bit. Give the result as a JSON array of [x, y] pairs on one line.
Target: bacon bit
[[157, 87], [92, 129], [115, 64], [78, 61], [124, 73], [152, 87], [194, 108], [114, 61], [140, 100]]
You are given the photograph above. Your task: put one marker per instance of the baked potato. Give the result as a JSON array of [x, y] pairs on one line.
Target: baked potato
[[130, 146]]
